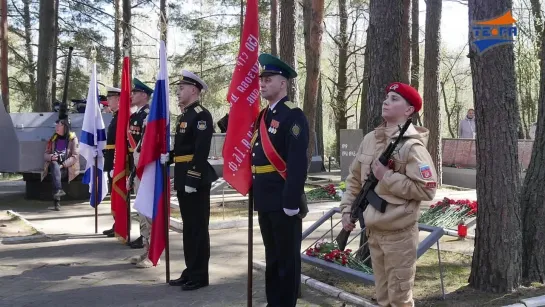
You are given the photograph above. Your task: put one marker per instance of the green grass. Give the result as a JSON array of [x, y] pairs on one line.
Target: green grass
[[427, 286]]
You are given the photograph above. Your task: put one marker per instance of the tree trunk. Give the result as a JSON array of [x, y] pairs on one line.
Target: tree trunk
[[241, 23], [55, 56], [30, 68], [4, 52], [432, 107], [320, 121], [533, 197], [117, 48], [163, 20], [288, 27], [384, 47], [538, 25], [339, 108], [274, 27], [415, 47], [405, 42], [45, 56], [364, 90], [448, 113], [497, 258], [313, 16], [126, 26]]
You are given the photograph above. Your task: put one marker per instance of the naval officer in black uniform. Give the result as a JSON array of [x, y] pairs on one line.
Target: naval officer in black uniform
[[140, 97], [193, 177], [279, 167], [112, 96]]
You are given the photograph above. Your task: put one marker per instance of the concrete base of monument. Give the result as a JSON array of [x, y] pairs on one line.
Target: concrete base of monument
[[462, 177]]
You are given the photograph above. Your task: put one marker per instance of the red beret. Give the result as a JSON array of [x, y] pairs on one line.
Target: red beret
[[408, 92]]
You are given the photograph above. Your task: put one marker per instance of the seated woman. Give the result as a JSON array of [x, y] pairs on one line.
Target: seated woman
[[61, 157]]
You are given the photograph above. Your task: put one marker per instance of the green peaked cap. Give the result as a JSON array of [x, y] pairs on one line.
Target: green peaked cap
[[139, 85], [274, 66]]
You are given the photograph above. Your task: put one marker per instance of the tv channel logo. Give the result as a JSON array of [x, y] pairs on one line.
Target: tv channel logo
[[494, 32]]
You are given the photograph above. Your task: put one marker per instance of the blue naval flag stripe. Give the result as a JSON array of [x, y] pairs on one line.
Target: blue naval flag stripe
[[88, 138], [87, 179]]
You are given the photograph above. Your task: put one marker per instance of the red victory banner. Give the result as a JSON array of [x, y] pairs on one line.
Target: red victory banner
[[120, 195], [243, 96]]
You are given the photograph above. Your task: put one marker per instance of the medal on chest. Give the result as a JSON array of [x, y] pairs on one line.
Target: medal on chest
[[134, 128], [183, 126], [274, 126]]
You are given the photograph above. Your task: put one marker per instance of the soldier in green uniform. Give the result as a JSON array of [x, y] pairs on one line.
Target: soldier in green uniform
[[193, 177], [279, 148], [113, 104], [140, 98]]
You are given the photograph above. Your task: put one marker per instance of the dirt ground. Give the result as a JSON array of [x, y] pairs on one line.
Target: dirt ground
[[427, 288]]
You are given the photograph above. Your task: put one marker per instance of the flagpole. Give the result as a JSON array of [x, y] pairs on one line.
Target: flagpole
[[128, 201], [166, 190], [126, 53], [96, 193], [250, 245]]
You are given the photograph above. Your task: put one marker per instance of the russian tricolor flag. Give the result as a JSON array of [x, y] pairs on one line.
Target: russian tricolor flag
[[93, 138], [152, 199]]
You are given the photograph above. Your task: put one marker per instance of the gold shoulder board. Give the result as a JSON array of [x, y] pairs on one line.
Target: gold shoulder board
[[290, 104]]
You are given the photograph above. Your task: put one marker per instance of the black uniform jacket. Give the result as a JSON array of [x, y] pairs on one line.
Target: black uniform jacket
[[288, 130], [194, 129], [136, 124], [110, 144]]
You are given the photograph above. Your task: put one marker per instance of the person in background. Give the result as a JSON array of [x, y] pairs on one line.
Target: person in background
[[104, 104], [109, 151], [61, 156], [222, 123], [466, 129], [140, 97]]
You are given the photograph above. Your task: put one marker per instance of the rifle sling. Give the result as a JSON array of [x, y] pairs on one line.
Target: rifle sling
[[376, 201]]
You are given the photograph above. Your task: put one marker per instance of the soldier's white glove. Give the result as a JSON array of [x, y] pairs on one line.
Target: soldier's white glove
[[291, 212], [95, 153], [112, 174], [189, 189], [164, 158]]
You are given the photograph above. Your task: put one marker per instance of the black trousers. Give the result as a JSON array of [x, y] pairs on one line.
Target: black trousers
[[282, 239], [195, 211]]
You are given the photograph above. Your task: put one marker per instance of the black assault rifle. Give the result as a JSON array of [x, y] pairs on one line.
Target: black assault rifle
[[367, 195]]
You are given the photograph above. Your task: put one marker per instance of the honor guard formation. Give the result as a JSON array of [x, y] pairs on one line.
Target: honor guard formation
[[279, 163]]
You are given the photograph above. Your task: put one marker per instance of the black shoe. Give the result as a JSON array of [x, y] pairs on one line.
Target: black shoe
[[193, 285], [138, 243], [57, 205], [179, 282], [108, 232]]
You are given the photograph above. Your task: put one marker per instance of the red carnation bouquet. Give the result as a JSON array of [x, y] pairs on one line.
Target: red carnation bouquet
[[447, 213], [327, 192], [330, 252]]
